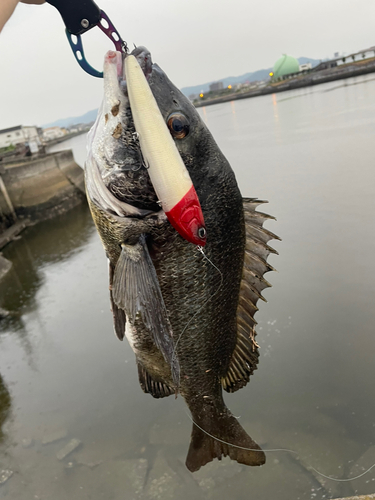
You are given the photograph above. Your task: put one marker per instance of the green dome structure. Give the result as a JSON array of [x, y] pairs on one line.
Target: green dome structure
[[285, 65]]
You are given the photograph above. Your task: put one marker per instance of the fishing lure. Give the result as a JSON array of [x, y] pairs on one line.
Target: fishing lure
[[167, 171]]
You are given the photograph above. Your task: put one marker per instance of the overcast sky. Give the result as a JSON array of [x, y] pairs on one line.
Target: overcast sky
[[193, 41]]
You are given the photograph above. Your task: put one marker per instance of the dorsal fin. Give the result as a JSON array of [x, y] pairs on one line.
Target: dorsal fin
[[245, 356]]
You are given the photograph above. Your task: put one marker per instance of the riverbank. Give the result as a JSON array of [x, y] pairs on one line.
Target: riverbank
[[66, 137], [306, 80]]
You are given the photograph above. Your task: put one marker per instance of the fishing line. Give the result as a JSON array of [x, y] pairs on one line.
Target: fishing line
[[200, 249], [285, 450]]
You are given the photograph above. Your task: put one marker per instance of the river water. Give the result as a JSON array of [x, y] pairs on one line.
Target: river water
[[65, 376]]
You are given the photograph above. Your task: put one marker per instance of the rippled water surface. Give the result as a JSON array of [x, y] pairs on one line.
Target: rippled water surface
[[64, 376]]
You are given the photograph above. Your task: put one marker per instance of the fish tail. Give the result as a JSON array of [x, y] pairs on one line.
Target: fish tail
[[220, 436]]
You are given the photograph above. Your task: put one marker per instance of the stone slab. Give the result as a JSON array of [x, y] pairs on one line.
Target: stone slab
[[5, 474], [54, 436], [68, 449]]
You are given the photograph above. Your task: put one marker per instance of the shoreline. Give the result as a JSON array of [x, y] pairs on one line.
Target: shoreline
[[66, 137], [342, 72]]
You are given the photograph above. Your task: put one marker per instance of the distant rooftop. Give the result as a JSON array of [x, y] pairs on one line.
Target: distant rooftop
[[10, 129]]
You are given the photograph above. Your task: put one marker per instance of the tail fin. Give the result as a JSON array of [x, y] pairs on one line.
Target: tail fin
[[211, 440]]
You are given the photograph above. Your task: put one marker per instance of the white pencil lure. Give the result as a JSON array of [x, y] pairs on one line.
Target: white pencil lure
[[169, 176]]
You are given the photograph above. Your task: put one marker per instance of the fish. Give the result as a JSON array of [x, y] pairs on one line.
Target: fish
[[188, 314]]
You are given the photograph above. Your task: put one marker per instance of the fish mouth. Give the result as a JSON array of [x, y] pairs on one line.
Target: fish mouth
[[117, 59], [114, 140]]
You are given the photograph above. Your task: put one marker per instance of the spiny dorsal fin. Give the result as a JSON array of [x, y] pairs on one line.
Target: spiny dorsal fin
[[245, 355]]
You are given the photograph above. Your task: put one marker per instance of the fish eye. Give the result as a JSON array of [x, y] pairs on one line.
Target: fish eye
[[178, 125], [202, 232]]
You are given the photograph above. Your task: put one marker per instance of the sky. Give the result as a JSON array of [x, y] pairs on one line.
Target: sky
[[193, 41]]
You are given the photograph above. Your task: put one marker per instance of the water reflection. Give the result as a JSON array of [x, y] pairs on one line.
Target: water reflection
[[205, 117], [5, 404], [276, 119], [235, 124], [45, 243]]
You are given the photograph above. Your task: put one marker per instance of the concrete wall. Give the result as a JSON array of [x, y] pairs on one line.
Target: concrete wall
[[40, 188]]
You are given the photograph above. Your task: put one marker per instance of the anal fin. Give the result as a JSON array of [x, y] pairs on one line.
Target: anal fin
[[157, 388]]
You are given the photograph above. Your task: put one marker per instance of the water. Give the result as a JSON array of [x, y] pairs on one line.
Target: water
[[310, 153], [77, 144]]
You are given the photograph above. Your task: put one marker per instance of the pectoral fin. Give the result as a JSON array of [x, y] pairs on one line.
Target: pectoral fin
[[136, 291], [119, 318]]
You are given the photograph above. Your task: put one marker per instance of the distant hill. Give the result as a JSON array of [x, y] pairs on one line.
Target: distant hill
[[261, 74], [305, 60], [88, 117]]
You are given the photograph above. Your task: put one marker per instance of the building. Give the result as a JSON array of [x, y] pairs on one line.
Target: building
[[326, 65], [362, 55], [305, 67], [216, 86], [19, 135], [53, 133]]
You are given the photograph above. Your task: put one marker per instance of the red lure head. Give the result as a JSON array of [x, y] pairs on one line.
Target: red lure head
[[187, 218]]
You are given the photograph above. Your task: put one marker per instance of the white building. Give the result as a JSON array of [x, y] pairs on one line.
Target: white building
[[18, 135], [216, 86], [53, 133], [305, 67]]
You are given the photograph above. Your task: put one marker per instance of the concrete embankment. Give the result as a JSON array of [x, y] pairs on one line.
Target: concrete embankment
[[37, 189], [307, 80]]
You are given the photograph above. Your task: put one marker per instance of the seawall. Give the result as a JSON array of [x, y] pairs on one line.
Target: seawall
[[313, 78], [40, 188]]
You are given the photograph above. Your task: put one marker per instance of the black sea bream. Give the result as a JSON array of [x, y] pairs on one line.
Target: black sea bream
[[189, 322]]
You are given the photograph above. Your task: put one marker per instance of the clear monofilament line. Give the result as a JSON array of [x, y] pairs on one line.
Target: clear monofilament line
[[345, 480], [273, 450], [200, 249]]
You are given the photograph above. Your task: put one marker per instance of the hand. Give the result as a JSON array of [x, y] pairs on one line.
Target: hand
[[7, 7]]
